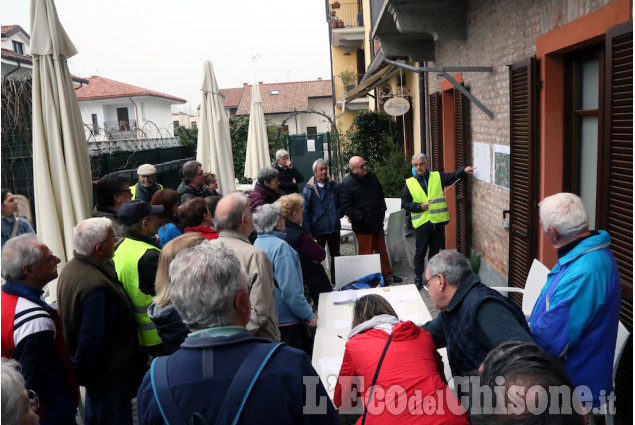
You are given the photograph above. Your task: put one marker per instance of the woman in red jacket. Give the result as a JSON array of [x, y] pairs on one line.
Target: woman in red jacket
[[409, 388]]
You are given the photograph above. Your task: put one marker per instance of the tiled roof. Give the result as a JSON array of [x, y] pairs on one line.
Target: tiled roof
[[231, 97], [104, 88], [11, 55], [8, 30], [293, 96]]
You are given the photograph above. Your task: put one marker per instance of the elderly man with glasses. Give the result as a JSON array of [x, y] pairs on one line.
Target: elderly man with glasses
[[99, 325], [32, 330], [473, 318], [423, 197], [362, 200], [113, 190]]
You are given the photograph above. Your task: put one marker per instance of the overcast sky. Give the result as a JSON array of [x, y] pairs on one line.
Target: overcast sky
[[161, 45]]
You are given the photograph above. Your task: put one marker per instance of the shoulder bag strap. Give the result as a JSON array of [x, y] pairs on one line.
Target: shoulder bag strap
[[372, 387], [243, 382], [16, 223], [162, 394]]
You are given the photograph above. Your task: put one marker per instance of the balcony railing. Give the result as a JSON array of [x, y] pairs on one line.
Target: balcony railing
[[112, 126], [346, 16], [340, 88]]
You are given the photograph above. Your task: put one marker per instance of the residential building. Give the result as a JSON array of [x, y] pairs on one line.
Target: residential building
[[231, 99], [120, 116], [16, 59], [181, 119], [281, 103], [537, 94]]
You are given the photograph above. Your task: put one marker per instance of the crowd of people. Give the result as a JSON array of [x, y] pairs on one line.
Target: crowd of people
[[202, 306]]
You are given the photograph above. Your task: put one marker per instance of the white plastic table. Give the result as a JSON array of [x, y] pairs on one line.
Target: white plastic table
[[334, 325]]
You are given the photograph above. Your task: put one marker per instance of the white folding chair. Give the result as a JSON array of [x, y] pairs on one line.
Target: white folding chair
[[533, 285], [396, 236], [351, 267]]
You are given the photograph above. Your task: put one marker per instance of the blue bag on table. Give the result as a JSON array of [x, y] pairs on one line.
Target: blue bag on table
[[370, 281]]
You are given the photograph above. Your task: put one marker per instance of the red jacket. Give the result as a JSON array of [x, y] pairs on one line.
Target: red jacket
[[410, 373], [208, 232]]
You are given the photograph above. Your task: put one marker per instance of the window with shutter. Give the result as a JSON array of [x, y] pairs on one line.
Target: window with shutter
[[523, 171], [461, 159], [616, 196], [436, 132]]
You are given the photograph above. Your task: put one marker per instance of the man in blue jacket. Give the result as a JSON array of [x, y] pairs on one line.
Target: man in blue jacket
[[576, 316], [208, 378], [322, 210]]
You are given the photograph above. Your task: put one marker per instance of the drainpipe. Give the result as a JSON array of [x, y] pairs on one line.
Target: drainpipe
[[136, 113], [422, 109]]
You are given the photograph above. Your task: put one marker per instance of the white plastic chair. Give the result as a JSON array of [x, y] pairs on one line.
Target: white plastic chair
[[392, 205], [534, 283], [396, 235], [350, 268]]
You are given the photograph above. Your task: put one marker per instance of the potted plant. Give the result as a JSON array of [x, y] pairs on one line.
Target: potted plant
[[349, 79], [334, 22]]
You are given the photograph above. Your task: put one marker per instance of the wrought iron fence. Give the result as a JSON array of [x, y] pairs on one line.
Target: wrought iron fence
[[130, 125]]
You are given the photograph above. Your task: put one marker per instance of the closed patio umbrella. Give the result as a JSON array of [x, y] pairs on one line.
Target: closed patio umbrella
[[61, 164], [214, 147], [257, 142]]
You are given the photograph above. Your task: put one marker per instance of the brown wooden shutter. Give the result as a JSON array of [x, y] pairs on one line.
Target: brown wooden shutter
[[616, 196], [523, 171], [436, 133], [461, 158]]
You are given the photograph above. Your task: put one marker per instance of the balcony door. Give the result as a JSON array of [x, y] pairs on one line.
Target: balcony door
[[123, 119]]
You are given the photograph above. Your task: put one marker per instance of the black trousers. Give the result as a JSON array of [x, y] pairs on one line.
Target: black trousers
[[297, 336], [333, 240], [427, 241]]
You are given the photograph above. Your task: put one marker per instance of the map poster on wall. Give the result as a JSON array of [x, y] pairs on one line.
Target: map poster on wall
[[501, 166], [482, 162]]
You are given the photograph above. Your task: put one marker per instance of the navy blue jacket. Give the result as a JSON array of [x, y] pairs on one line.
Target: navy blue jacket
[[321, 213], [201, 371]]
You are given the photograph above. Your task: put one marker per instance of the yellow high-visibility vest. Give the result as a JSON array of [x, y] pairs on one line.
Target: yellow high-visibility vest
[[126, 260], [133, 189], [437, 211]]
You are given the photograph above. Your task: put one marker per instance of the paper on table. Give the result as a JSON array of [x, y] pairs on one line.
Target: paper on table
[[344, 297], [400, 296], [343, 323], [331, 364]]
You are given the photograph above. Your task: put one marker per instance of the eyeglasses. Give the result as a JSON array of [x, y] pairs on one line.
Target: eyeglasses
[[425, 284], [115, 238], [34, 400]]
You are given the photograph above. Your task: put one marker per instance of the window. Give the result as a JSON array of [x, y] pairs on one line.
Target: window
[[194, 124], [176, 124], [18, 47], [95, 124], [275, 92], [311, 130]]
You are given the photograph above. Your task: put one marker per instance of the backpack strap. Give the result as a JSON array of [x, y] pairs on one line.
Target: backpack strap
[[162, 394], [243, 382]]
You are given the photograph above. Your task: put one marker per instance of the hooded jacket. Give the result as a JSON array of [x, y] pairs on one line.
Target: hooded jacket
[[187, 192], [411, 364], [362, 200]]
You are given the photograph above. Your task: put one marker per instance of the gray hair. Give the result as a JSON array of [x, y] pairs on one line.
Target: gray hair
[[564, 212], [19, 252], [266, 174], [318, 162], [232, 220], [12, 388], [266, 217], [204, 281], [189, 170], [89, 233], [419, 155], [281, 153], [452, 265]]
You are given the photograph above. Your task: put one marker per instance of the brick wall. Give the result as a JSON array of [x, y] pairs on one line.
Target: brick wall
[[499, 34]]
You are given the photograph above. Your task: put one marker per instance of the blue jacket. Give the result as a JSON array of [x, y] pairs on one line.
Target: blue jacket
[[577, 313], [201, 371], [290, 300], [321, 213], [7, 227], [167, 232]]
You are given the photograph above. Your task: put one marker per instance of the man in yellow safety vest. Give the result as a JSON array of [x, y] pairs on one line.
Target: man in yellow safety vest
[[422, 196]]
